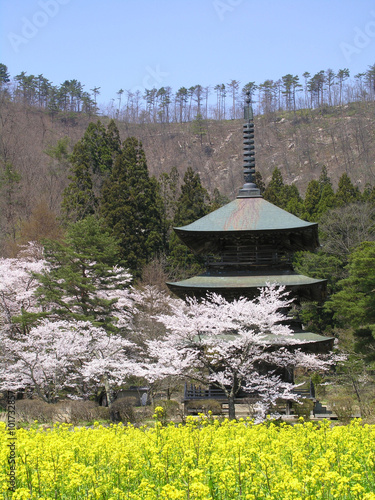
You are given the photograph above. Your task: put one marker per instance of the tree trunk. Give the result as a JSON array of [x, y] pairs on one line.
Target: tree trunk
[[107, 390], [231, 407]]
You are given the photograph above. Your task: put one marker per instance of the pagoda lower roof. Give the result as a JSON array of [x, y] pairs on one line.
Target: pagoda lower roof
[[248, 217], [248, 283], [306, 341]]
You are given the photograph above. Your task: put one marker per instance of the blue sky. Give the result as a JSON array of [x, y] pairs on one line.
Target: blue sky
[[137, 44]]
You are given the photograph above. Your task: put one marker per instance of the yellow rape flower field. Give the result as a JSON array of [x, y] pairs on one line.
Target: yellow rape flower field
[[204, 459]]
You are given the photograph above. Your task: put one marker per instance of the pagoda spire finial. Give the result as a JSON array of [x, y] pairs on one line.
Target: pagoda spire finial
[[249, 189]]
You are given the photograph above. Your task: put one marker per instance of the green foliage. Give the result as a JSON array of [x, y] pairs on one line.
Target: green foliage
[[193, 203], [354, 304], [10, 186], [132, 207], [4, 75], [346, 192], [258, 181], [198, 127], [92, 161], [303, 408], [169, 183], [294, 202], [218, 200], [282, 195], [275, 192], [9, 177], [319, 265], [80, 266], [312, 198], [319, 197], [60, 151], [327, 200]]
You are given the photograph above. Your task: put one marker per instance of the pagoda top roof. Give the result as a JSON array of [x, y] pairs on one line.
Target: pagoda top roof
[[248, 217], [247, 214]]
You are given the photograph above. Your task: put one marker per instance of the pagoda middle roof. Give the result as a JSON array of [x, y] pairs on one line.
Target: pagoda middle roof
[[244, 217], [248, 283]]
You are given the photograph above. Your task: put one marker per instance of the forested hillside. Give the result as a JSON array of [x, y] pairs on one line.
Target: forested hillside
[[37, 146]]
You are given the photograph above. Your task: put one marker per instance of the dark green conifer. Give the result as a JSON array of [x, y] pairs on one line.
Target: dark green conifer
[[80, 269], [192, 204], [92, 160], [131, 206], [283, 196], [346, 192], [312, 199]]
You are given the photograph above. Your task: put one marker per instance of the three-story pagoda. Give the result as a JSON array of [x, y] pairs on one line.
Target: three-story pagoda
[[250, 243]]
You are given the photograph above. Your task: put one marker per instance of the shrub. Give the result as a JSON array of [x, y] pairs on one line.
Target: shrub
[[304, 408], [28, 410], [122, 410], [76, 411], [342, 405], [205, 406], [70, 412]]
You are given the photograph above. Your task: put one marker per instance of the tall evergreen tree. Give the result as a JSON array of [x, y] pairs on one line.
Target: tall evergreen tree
[[131, 206], [354, 304], [346, 192], [312, 198], [275, 190], [4, 75], [169, 190], [92, 160], [282, 195], [294, 202], [193, 203], [81, 272], [319, 197]]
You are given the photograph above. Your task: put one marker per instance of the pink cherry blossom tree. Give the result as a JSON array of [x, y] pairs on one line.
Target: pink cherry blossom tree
[[70, 356], [63, 318], [239, 345], [17, 288]]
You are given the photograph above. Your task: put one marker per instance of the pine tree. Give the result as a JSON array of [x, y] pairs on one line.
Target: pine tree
[[311, 202], [194, 200], [81, 276], [192, 204], [282, 195], [275, 191], [169, 190], [346, 192], [132, 208], [354, 304], [294, 202], [4, 75], [92, 161]]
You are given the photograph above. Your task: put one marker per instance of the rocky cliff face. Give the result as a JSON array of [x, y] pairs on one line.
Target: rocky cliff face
[[341, 138]]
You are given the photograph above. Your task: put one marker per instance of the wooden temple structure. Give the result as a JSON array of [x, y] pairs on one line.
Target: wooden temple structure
[[248, 243]]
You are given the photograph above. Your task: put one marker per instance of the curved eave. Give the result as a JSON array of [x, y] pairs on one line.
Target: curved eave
[[246, 219], [248, 284], [306, 341], [305, 239]]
